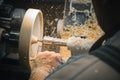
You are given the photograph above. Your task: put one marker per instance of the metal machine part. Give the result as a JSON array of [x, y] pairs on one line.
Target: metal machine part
[[17, 28], [10, 24], [76, 12]]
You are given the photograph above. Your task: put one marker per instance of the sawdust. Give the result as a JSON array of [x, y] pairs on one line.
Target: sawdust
[[91, 31]]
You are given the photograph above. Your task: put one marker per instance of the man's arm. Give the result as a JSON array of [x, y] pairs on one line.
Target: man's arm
[[43, 64]]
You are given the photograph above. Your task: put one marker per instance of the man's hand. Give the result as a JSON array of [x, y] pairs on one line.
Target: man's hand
[[44, 63]]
